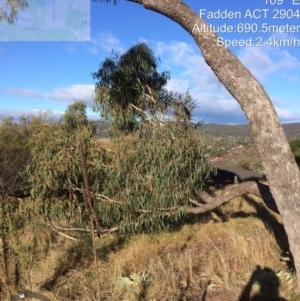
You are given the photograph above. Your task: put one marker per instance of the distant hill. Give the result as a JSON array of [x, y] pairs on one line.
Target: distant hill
[[101, 129], [292, 130]]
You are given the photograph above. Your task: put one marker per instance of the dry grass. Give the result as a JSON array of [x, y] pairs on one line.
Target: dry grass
[[219, 254]]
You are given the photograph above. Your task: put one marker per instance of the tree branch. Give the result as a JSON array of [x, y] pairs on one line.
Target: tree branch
[[59, 230], [231, 192], [65, 235], [208, 204], [100, 196], [149, 119]]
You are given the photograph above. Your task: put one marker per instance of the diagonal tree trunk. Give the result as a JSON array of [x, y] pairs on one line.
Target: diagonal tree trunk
[[276, 156]]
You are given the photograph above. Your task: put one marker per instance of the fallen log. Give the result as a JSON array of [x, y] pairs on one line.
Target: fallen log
[[230, 192]]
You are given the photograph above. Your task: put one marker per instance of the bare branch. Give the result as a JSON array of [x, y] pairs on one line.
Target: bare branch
[[145, 94], [144, 113], [195, 202], [106, 198], [65, 235], [101, 196], [231, 192], [51, 226]]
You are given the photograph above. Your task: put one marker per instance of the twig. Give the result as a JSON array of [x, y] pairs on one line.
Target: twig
[[149, 118], [98, 196], [51, 226], [195, 202], [65, 235]]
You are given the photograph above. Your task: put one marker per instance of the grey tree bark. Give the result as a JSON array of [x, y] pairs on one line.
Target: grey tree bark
[[277, 159]]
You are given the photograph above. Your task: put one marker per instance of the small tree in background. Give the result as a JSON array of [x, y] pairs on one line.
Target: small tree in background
[[153, 173], [129, 87]]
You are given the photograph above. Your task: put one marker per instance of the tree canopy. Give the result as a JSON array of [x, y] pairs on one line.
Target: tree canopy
[[129, 87], [143, 183]]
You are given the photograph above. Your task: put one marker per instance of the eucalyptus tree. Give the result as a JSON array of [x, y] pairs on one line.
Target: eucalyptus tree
[[61, 168], [277, 159], [155, 175], [129, 87], [129, 188], [62, 181], [143, 184]]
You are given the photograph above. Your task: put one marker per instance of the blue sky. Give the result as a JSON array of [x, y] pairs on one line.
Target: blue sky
[[38, 76]]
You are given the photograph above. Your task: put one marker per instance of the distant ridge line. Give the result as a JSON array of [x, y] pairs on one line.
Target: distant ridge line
[[292, 130]]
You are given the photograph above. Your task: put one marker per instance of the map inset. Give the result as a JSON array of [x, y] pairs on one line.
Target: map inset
[[49, 20]]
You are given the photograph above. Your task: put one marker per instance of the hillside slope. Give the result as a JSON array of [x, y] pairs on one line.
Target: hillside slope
[[292, 130]]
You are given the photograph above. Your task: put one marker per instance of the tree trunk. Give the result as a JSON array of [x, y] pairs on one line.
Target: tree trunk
[[278, 161]]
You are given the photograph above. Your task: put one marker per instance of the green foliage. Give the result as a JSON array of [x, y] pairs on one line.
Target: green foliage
[[56, 172], [154, 176], [143, 185], [17, 214], [17, 217], [295, 147], [129, 87]]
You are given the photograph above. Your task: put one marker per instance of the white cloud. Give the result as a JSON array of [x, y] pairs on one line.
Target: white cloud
[[27, 112], [71, 93], [218, 109], [23, 92], [66, 94], [215, 103], [263, 62], [55, 114], [189, 63], [104, 41], [287, 115], [178, 85]]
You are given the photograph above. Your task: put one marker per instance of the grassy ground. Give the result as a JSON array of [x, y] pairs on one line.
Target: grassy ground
[[210, 258], [232, 254]]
